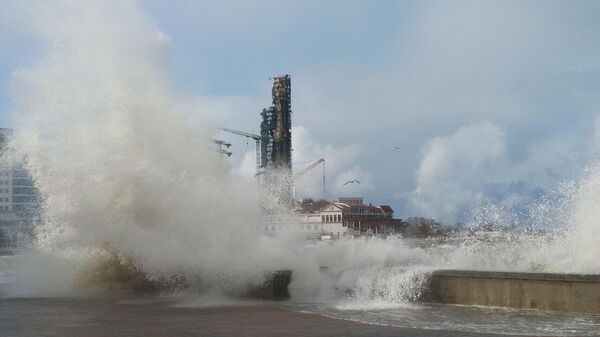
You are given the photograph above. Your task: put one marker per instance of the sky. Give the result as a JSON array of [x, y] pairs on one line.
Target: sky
[[436, 107]]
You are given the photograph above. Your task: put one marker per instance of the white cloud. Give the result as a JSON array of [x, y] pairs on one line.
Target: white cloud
[[341, 163], [454, 170], [463, 155], [473, 168]]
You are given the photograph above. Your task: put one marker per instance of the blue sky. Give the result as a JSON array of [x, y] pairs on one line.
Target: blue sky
[[488, 101], [241, 41]]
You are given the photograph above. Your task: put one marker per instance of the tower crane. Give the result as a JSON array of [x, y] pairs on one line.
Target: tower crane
[[222, 144], [310, 167], [252, 136]]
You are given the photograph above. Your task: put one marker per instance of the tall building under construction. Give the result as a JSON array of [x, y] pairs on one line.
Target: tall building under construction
[[276, 148]]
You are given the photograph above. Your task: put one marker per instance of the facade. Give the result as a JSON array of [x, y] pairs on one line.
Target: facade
[[331, 216], [358, 218], [345, 216], [310, 225], [19, 198]]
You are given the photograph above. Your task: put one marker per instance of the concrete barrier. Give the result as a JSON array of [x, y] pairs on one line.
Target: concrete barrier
[[275, 286], [543, 291]]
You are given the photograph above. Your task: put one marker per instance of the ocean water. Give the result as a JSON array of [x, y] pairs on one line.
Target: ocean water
[[461, 318]]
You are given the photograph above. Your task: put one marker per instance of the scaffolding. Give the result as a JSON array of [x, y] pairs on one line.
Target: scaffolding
[[276, 146]]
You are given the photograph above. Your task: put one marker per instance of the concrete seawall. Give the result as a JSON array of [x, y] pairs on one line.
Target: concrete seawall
[[543, 291], [275, 286]]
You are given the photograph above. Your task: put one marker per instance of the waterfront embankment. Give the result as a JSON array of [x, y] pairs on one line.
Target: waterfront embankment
[[542, 291]]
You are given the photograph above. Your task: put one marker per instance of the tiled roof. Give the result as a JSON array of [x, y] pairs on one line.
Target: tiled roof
[[386, 208]]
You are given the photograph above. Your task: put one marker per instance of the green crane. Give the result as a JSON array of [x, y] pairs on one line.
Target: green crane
[[256, 140]]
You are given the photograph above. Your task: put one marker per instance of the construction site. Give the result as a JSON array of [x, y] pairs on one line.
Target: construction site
[[275, 180]]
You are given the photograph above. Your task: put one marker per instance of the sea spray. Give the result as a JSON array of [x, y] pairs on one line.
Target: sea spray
[[106, 142], [578, 251]]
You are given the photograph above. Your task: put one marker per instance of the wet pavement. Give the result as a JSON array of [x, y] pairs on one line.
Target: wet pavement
[[155, 316]]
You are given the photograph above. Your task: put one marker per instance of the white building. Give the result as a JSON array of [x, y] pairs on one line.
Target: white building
[[328, 222], [346, 216], [331, 216], [19, 198]]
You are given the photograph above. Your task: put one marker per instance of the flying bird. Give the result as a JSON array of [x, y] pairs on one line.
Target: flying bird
[[351, 182]]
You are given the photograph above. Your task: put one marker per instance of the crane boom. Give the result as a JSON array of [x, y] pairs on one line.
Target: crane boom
[[257, 140], [310, 167], [225, 152], [241, 133], [220, 142]]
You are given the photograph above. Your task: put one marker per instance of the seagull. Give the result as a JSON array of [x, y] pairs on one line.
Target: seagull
[[395, 148], [351, 182]]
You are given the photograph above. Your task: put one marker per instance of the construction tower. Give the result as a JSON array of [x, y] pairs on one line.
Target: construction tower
[[276, 148]]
